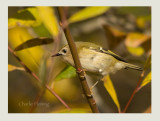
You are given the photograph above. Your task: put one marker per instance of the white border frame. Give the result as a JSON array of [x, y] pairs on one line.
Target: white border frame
[[79, 117]]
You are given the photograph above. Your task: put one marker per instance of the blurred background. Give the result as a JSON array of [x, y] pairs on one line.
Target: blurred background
[[124, 30]]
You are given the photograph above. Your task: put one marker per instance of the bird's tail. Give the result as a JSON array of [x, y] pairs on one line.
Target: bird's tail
[[128, 65]]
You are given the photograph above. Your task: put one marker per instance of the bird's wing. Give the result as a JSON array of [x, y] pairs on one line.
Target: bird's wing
[[102, 50], [114, 55], [98, 48]]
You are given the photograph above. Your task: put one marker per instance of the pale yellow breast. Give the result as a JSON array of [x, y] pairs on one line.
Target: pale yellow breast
[[96, 61]]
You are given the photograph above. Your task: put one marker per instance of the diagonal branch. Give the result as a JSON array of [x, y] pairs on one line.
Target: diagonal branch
[[134, 92], [146, 65], [78, 66], [37, 78]]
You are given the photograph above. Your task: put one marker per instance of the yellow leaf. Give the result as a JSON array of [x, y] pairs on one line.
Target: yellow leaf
[[63, 87], [86, 13], [137, 51], [31, 57], [49, 19], [111, 90], [140, 22], [136, 39], [13, 21], [12, 68], [74, 110], [116, 32], [148, 63], [146, 80]]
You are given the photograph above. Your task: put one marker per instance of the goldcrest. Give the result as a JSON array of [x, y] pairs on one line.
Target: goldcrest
[[95, 59]]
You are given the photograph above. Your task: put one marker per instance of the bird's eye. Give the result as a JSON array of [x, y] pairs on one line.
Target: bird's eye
[[64, 51]]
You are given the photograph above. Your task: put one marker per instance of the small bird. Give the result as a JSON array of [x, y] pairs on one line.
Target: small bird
[[95, 59]]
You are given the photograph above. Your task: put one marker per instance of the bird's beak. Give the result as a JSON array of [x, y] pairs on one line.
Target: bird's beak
[[56, 55]]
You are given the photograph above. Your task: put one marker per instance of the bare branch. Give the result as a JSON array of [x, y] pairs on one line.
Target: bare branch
[[134, 92], [78, 66]]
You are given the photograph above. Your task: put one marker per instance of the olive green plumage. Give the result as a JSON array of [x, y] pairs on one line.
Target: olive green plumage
[[95, 59]]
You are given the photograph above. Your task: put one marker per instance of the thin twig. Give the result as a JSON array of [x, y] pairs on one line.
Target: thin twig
[[135, 91], [78, 66], [138, 87], [55, 49], [36, 100], [37, 78]]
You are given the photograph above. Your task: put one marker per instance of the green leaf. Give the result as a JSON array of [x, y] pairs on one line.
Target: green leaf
[[42, 31], [49, 19], [67, 72], [146, 80], [111, 90], [34, 42], [86, 13], [12, 68]]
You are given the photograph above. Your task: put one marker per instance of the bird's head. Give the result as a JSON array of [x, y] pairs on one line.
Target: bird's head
[[65, 54]]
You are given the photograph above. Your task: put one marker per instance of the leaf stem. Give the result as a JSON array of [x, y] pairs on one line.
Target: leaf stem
[[78, 66]]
